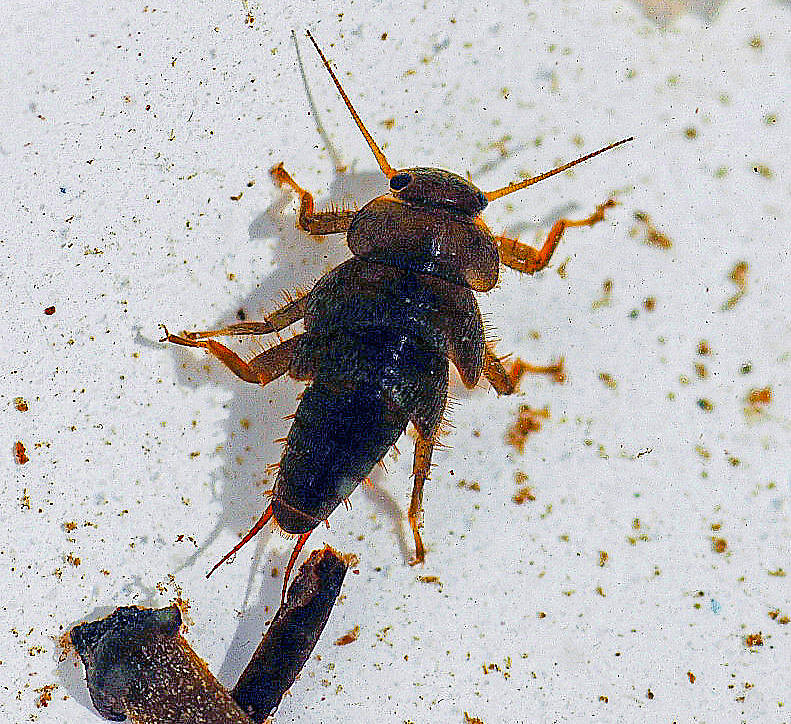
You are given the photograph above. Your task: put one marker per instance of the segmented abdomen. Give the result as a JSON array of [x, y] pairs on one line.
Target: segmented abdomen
[[377, 361]]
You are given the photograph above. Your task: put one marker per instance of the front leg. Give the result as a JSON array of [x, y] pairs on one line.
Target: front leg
[[313, 222], [524, 258]]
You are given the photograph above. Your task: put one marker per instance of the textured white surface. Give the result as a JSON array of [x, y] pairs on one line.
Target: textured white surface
[[126, 129]]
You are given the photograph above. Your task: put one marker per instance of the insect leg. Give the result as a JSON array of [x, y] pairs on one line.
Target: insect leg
[[557, 370], [274, 322], [495, 372], [313, 222], [263, 368], [524, 258], [505, 380], [420, 469]]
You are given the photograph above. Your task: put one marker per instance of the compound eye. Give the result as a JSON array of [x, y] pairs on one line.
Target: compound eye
[[400, 180]]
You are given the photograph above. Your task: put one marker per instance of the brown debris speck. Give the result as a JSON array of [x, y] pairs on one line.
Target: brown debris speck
[[641, 537], [44, 695], [49, 311], [754, 640], [691, 677], [782, 618], [738, 276], [472, 719], [430, 579], [20, 454], [467, 485], [700, 450], [756, 401], [20, 404], [523, 495], [608, 380], [719, 545], [762, 396], [653, 237], [348, 637], [606, 297], [528, 421]]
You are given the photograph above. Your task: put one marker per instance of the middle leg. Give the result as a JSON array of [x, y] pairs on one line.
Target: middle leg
[[262, 369], [505, 380]]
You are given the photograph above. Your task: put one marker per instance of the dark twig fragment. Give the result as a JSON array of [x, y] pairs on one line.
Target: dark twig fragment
[[290, 639], [139, 667]]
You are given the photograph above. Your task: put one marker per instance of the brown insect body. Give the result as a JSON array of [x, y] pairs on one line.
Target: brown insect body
[[380, 330]]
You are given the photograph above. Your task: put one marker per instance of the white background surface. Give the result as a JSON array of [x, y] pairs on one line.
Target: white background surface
[[125, 131]]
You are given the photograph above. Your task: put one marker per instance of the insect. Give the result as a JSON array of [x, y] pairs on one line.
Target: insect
[[380, 331]]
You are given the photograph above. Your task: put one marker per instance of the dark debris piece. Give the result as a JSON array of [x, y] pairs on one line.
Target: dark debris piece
[[139, 667], [290, 639]]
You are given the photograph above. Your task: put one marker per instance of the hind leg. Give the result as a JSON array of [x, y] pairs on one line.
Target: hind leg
[[420, 469], [274, 322], [505, 380]]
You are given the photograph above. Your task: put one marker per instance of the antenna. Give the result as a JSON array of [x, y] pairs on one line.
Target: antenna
[[387, 169], [518, 185]]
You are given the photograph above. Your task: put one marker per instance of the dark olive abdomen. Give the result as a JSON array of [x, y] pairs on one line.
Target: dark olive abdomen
[[378, 360], [338, 435]]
